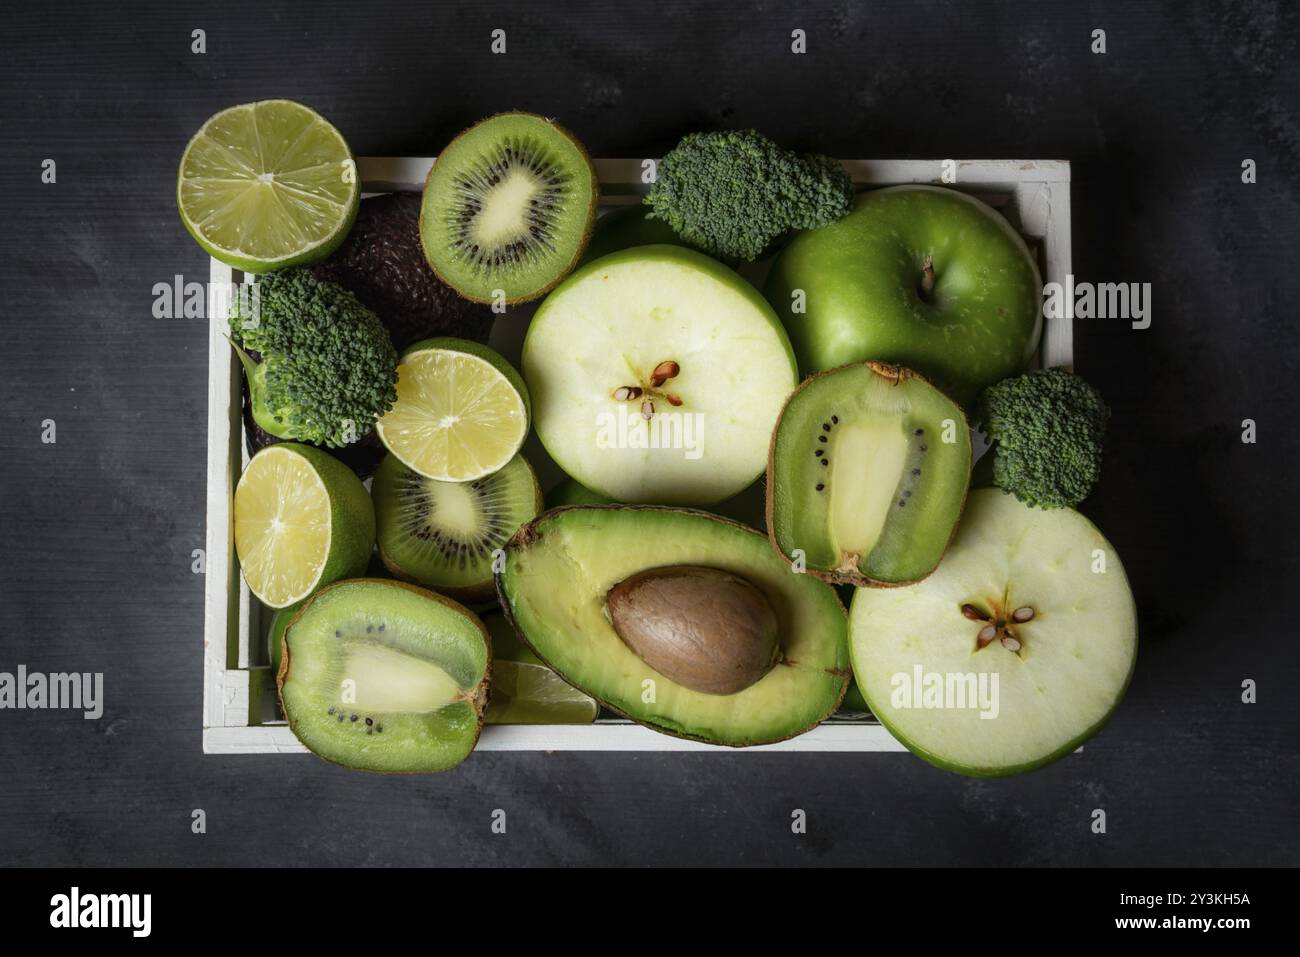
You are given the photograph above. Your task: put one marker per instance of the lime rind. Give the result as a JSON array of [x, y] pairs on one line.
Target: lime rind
[[462, 411], [267, 185], [349, 525]]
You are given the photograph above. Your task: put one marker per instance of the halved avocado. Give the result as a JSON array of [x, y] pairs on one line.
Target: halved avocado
[[560, 568], [383, 676], [867, 475]]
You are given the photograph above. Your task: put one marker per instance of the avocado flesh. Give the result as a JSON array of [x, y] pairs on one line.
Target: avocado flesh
[[412, 666], [897, 459], [560, 567]]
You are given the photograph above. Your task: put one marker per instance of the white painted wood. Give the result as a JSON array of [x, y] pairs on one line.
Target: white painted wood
[[1033, 194], [840, 736], [1058, 334], [381, 174], [221, 581]]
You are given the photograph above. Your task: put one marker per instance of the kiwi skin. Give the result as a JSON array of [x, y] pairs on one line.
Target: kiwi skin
[[586, 232], [897, 374], [479, 596], [482, 691]]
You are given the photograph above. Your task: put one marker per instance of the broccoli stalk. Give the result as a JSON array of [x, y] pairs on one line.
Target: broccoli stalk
[[1045, 430], [732, 194], [263, 415], [327, 366]]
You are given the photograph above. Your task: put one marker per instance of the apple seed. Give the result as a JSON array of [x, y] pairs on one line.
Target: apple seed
[[664, 371]]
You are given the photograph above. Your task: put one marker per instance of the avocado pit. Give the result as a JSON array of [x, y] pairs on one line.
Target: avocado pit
[[703, 628]]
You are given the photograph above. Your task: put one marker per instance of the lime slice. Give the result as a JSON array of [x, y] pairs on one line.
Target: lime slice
[[267, 185], [461, 413], [525, 691], [302, 520]]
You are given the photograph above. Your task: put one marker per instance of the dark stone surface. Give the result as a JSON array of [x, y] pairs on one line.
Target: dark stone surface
[[98, 529]]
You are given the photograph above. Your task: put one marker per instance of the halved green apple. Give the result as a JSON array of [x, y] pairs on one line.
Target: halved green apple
[[1012, 653], [656, 375]]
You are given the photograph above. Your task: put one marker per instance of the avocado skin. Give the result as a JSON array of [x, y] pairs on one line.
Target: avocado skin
[[382, 263]]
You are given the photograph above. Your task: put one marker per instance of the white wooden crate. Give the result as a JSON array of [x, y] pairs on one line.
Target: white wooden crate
[[239, 715]]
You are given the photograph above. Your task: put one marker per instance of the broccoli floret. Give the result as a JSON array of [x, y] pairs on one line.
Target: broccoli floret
[[1045, 430], [327, 366], [732, 194]]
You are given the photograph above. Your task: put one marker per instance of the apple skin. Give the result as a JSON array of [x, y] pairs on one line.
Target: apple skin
[[861, 277], [971, 771], [883, 713]]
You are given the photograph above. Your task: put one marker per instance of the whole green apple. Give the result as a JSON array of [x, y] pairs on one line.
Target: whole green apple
[[920, 276]]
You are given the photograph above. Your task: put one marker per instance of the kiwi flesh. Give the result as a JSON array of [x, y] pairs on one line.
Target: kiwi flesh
[[867, 475], [383, 676], [444, 535], [508, 208]]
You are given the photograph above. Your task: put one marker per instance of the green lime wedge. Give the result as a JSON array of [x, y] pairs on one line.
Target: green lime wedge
[[267, 185], [525, 691]]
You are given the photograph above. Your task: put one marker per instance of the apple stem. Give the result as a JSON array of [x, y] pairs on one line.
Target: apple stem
[[927, 278]]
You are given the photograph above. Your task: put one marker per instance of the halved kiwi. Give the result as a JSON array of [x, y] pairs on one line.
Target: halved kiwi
[[867, 475], [383, 676], [444, 534], [508, 208]]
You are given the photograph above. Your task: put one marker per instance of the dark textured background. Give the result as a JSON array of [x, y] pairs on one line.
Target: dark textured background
[[97, 530]]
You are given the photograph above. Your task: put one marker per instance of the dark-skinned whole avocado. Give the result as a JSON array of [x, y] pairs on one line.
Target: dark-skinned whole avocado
[[382, 263]]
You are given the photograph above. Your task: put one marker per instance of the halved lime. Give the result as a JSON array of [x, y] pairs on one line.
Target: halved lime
[[302, 520], [462, 411], [267, 185]]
